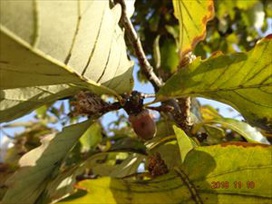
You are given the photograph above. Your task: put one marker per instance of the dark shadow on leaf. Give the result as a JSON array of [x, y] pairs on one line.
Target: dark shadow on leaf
[[197, 166]]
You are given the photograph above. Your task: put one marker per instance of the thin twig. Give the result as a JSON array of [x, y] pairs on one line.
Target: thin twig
[[146, 68]]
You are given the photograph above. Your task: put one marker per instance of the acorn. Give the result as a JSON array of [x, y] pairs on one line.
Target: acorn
[[143, 124]]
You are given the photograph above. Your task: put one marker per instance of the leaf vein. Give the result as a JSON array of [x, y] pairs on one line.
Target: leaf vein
[[239, 170], [75, 34], [252, 101], [107, 62], [95, 43], [36, 24], [252, 69]]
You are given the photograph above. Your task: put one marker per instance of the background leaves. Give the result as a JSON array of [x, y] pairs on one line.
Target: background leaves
[[18, 102], [42, 164]]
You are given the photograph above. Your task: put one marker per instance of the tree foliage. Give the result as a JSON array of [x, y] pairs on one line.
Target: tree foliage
[[71, 62]]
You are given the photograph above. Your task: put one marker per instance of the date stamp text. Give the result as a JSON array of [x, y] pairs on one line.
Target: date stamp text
[[235, 184]]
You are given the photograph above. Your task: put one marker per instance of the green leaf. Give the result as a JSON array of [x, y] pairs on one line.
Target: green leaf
[[60, 186], [128, 166], [242, 80], [157, 52], [249, 133], [44, 43], [15, 103], [129, 144], [193, 17], [227, 7], [268, 8], [169, 55], [92, 137], [215, 134], [230, 164], [41, 111], [184, 142], [164, 129], [209, 175], [208, 112], [169, 152], [41, 165]]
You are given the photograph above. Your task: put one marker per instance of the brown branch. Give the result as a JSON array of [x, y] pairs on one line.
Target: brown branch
[[185, 103], [184, 118]]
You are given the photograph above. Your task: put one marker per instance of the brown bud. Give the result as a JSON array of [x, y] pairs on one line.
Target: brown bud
[[87, 103], [156, 165], [143, 124]]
